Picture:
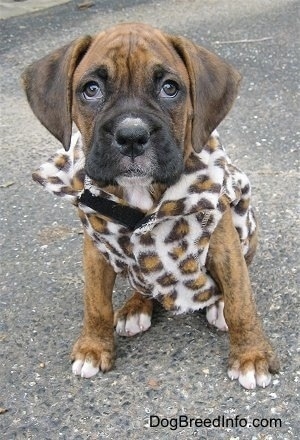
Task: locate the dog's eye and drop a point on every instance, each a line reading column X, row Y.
column 169, row 89
column 92, row 91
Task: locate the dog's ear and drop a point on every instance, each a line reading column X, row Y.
column 48, row 86
column 214, row 86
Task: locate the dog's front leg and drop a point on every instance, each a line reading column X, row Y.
column 252, row 358
column 94, row 349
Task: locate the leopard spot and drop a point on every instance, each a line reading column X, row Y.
column 146, row 239
column 55, row 180
column 78, row 180
column 171, row 208
column 167, row 280
column 197, row 283
column 111, row 248
column 242, row 207
column 38, row 178
column 62, row 161
column 65, row 190
column 189, row 265
column 168, row 301
column 178, row 251
column 83, row 218
column 246, row 189
column 212, row 144
column 205, row 184
column 220, row 162
column 121, row 264
column 180, row 230
column 193, row 164
column 150, row 262
column 126, row 245
column 203, row 296
column 106, row 256
column 205, row 204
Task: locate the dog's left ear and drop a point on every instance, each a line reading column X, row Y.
column 214, row 86
column 48, row 86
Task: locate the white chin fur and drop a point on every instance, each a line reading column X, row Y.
column 137, row 191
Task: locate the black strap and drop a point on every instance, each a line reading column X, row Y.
column 132, row 218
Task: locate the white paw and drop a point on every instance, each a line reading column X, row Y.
column 133, row 325
column 249, row 380
column 215, row 316
column 84, row 368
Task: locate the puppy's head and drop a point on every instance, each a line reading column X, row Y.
column 141, row 99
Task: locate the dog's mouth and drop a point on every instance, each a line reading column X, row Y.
column 118, row 168
column 126, row 176
column 142, row 171
column 138, row 167
column 130, row 180
column 134, row 149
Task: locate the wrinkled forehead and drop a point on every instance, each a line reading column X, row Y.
column 132, row 50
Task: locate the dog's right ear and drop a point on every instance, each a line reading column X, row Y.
column 48, row 86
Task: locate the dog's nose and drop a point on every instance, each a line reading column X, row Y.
column 132, row 136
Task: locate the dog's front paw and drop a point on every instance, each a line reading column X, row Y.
column 253, row 367
column 90, row 355
column 135, row 316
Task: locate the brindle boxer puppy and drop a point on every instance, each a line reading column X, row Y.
column 146, row 104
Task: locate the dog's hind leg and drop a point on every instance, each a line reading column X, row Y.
column 135, row 316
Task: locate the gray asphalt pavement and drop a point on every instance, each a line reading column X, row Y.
column 179, row 366
column 13, row 8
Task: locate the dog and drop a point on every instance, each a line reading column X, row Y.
column 136, row 111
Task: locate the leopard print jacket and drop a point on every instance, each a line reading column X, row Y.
column 165, row 257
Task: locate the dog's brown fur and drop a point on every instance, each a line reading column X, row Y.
column 212, row 86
